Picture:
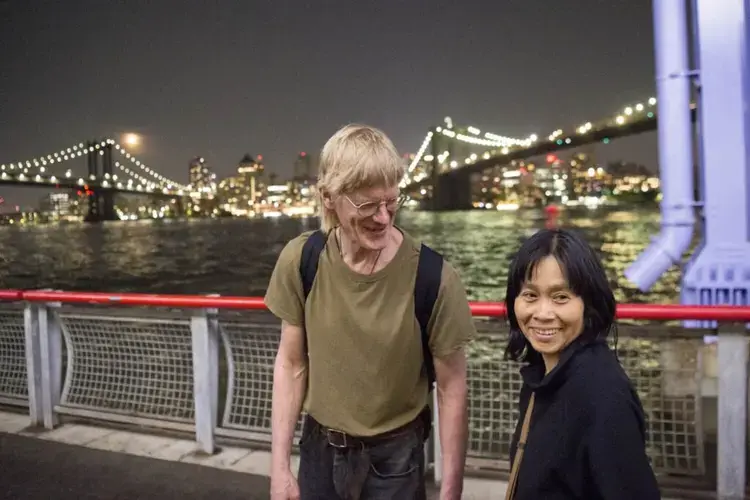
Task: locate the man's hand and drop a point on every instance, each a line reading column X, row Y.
column 453, row 423
column 284, row 486
column 289, row 385
column 449, row 494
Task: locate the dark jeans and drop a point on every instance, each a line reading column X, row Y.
column 387, row 469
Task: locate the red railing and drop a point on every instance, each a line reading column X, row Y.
column 659, row 312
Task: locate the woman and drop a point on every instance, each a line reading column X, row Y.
column 581, row 432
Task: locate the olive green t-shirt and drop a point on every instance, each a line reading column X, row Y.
column 364, row 342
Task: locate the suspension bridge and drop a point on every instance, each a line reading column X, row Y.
column 439, row 173
column 104, row 159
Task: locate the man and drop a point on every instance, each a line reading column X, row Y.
column 352, row 335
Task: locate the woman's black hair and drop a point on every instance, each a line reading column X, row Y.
column 585, row 276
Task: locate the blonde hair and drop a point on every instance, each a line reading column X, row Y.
column 355, row 157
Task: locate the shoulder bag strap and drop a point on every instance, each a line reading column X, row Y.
column 511, row 491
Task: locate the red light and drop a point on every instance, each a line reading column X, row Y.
column 551, row 158
column 260, row 157
column 303, row 154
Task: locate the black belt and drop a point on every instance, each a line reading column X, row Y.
column 340, row 439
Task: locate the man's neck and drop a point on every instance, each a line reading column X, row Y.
column 358, row 258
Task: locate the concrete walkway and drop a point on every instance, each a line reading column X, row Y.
column 37, row 469
column 86, row 462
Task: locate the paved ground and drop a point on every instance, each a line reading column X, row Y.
column 80, row 461
column 33, row 469
column 84, row 462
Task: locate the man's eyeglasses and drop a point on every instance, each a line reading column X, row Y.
column 370, row 208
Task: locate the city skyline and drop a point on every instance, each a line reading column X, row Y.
column 287, row 80
column 565, row 181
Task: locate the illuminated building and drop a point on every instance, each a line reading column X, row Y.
column 239, row 193
column 202, row 180
column 56, row 206
column 304, row 169
column 503, row 187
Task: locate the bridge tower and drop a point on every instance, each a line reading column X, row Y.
column 92, row 160
column 101, row 200
column 452, row 190
column 107, row 196
column 435, row 150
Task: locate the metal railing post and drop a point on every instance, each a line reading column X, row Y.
column 204, row 326
column 43, row 362
column 50, row 343
column 732, row 412
column 33, row 363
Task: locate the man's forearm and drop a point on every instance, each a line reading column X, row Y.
column 289, row 384
column 453, row 428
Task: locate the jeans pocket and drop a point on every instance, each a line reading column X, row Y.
column 396, row 460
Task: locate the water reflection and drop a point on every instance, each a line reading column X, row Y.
column 481, row 244
column 236, row 257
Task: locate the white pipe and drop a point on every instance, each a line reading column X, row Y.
column 675, row 145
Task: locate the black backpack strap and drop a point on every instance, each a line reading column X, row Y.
column 308, row 265
column 426, row 289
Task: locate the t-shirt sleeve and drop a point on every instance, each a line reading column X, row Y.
column 285, row 296
column 451, row 324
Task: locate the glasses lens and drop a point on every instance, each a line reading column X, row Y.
column 368, row 209
column 393, row 205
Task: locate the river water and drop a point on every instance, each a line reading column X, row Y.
column 236, row 256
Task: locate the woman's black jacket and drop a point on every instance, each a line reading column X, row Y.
column 587, row 431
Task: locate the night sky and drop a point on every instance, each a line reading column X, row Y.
column 275, row 77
